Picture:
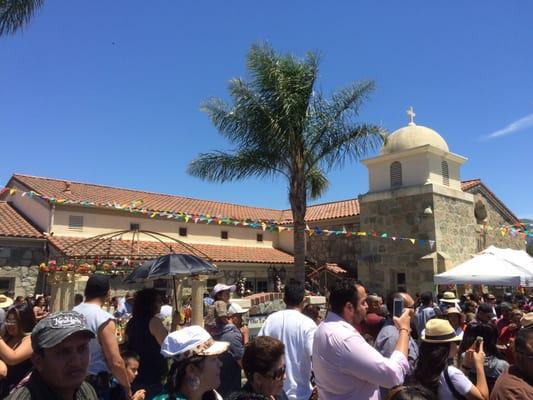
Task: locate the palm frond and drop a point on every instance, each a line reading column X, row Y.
column 14, row 14
column 317, row 183
column 348, row 142
column 221, row 166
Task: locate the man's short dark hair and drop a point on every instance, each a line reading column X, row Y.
column 504, row 306
column 522, row 337
column 97, row 286
column 344, row 291
column 426, row 298
column 260, row 355
column 130, row 355
column 294, row 293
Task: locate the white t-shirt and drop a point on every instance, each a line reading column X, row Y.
column 459, row 380
column 296, row 331
column 95, row 317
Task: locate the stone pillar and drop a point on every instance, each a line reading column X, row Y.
column 198, row 290
column 62, row 285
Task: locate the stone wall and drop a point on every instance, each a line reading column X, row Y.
column 490, row 234
column 455, row 229
column 18, row 264
column 383, row 261
column 341, row 250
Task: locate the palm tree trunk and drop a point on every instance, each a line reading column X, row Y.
column 298, row 200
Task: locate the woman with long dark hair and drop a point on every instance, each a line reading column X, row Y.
column 195, row 371
column 433, row 369
column 145, row 333
column 15, row 345
column 39, row 308
column 494, row 363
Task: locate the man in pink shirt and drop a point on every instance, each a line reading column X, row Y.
column 345, row 365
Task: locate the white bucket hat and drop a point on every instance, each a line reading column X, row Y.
column 220, row 287
column 189, row 342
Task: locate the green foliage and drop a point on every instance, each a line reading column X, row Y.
column 14, row 14
column 279, row 124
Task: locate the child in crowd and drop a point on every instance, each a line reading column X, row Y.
column 132, row 361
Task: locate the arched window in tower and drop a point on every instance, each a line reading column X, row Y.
column 445, row 174
column 395, row 174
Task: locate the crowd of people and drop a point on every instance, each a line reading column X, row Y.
column 362, row 347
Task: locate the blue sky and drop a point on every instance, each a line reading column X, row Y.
column 109, row 92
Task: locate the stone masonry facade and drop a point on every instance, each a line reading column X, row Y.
column 19, row 267
column 385, row 265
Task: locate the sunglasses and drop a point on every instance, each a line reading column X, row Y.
column 278, row 374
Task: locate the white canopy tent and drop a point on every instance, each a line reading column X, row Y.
column 493, row 266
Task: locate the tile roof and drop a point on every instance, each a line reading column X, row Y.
column 466, row 185
column 151, row 201
column 75, row 247
column 57, row 188
column 76, row 191
column 334, row 209
column 12, row 224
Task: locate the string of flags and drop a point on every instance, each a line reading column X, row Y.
column 135, row 206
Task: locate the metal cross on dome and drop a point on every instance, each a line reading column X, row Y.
column 411, row 114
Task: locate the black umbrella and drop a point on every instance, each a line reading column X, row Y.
column 140, row 273
column 180, row 265
column 171, row 266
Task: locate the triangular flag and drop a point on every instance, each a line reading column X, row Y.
column 431, row 244
column 412, row 241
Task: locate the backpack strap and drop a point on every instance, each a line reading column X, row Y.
column 452, row 388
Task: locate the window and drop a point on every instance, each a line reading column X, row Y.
column 395, row 174
column 224, row 234
column 261, row 286
column 134, row 227
column 182, row 231
column 400, row 278
column 75, row 222
column 259, row 237
column 445, row 174
column 7, row 284
column 400, row 281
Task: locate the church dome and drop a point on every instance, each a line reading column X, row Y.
column 412, row 136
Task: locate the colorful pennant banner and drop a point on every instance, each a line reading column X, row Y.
column 266, row 225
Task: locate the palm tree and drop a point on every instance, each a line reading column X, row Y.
column 14, row 14
column 280, row 125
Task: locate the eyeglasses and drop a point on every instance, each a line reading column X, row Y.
column 278, row 374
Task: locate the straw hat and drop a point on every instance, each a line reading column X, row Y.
column 452, row 310
column 527, row 320
column 5, row 301
column 449, row 297
column 439, row 331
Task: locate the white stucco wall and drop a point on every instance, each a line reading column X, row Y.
column 415, row 171
column 97, row 221
column 33, row 208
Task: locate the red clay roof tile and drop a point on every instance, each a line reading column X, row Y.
column 113, row 249
column 12, row 224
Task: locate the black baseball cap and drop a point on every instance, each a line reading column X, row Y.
column 53, row 329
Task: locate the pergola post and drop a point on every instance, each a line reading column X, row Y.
column 198, row 285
